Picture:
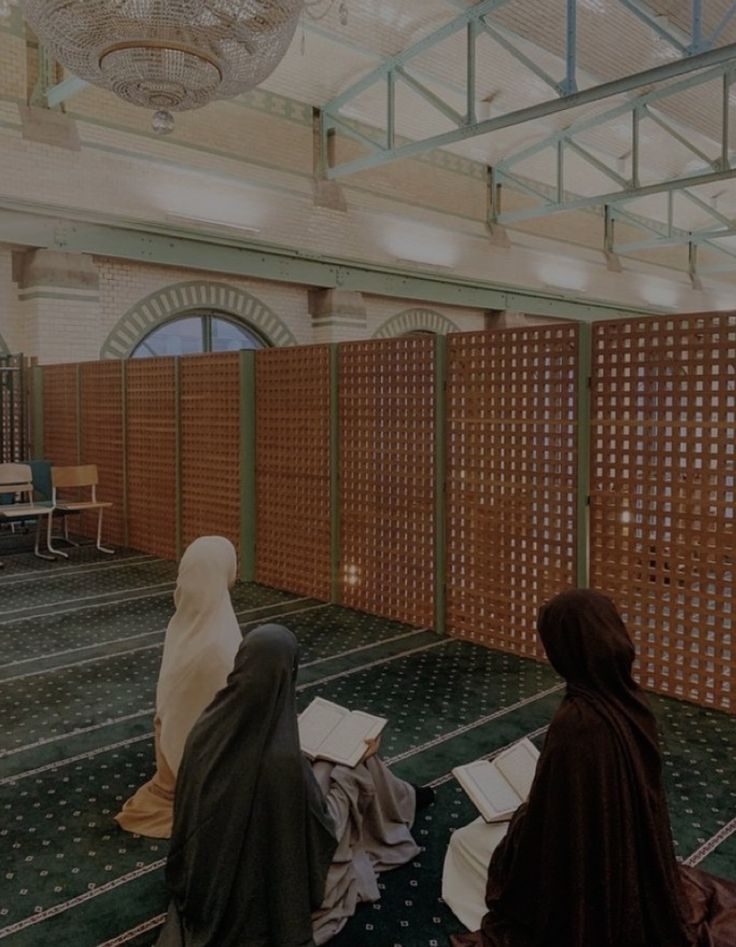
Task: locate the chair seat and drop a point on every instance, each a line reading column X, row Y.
column 24, row 510
column 70, row 506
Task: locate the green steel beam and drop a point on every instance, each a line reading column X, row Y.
column 653, row 21
column 727, row 18
column 248, row 465
column 215, row 253
column 582, row 557
column 714, row 57
column 616, row 111
column 378, row 74
column 440, row 466
column 695, row 237
column 335, row 530
column 614, row 197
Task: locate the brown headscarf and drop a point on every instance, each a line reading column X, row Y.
column 588, row 861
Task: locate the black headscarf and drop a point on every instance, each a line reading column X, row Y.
column 252, row 840
column 589, row 860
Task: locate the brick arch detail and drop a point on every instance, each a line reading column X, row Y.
column 178, row 299
column 411, row 320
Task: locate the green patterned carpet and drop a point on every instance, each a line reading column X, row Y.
column 81, row 650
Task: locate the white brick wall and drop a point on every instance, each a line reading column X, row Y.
column 13, row 327
column 239, row 162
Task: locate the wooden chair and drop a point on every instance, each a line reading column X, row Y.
column 78, row 478
column 16, row 481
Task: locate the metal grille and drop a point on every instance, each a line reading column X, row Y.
column 101, row 442
column 387, row 421
column 511, row 480
column 60, row 421
column 13, row 410
column 293, row 469
column 152, row 459
column 210, row 446
column 662, row 496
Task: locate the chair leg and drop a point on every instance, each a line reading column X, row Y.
column 66, row 533
column 36, row 549
column 49, row 541
column 102, row 548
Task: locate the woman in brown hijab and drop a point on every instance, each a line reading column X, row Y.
column 588, row 860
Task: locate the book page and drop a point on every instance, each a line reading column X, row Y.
column 492, row 795
column 518, row 765
column 317, row 722
column 346, row 742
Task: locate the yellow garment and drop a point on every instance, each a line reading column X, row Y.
column 150, row 810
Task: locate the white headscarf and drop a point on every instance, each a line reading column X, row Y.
column 201, row 641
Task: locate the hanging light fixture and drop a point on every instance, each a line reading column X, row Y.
column 167, row 56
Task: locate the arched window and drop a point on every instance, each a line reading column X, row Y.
column 198, row 331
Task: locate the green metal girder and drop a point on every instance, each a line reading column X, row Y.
column 598, row 93
column 213, row 253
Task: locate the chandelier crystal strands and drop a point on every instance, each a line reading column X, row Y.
column 167, row 55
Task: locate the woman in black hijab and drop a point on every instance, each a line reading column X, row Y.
column 261, row 854
column 588, row 860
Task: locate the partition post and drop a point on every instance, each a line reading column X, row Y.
column 78, row 409
column 247, row 465
column 440, row 463
column 334, row 473
column 582, row 515
column 178, row 456
column 37, row 412
column 124, row 433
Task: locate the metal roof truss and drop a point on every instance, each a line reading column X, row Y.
column 699, row 61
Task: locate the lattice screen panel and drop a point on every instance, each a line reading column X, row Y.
column 14, row 446
column 387, row 421
column 101, row 442
column 662, row 496
column 151, row 424
column 210, row 446
column 511, row 480
column 60, row 435
column 293, row 469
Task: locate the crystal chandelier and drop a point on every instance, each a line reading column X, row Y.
column 167, row 55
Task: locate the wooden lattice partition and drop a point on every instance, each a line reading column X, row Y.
column 511, row 480
column 387, row 486
column 210, row 446
column 152, row 456
column 60, row 421
column 13, row 409
column 101, row 442
column 662, row 496
column 293, row 469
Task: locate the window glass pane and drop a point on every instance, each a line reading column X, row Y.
column 229, row 337
column 179, row 337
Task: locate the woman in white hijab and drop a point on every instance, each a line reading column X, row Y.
column 199, row 649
